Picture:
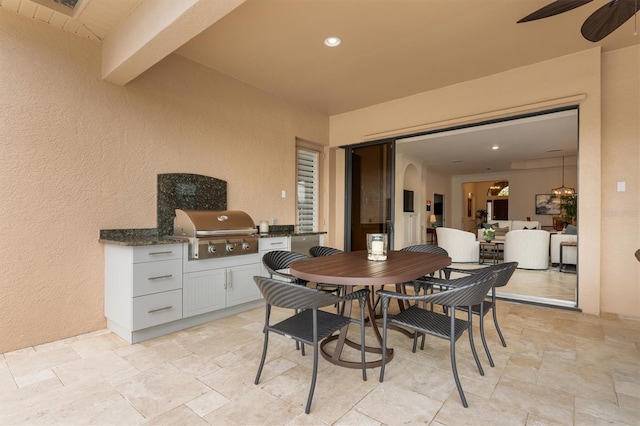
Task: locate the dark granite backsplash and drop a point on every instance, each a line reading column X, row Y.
column 128, row 234
column 281, row 229
column 187, row 191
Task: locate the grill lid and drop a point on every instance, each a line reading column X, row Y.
column 207, row 223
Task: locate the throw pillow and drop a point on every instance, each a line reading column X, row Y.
column 571, row 230
column 500, row 232
column 535, row 227
column 486, row 225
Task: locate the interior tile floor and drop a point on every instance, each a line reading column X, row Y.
column 559, row 367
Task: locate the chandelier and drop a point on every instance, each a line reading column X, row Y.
column 563, row 190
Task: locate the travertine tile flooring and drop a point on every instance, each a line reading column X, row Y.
column 560, row 367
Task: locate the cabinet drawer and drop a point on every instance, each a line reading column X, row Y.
column 157, row 252
column 275, row 243
column 155, row 277
column 155, row 309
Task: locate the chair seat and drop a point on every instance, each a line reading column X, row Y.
column 429, row 322
column 300, row 326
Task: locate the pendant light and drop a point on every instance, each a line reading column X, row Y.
column 563, row 191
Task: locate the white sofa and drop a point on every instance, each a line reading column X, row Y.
column 530, row 248
column 513, row 225
column 569, row 254
column 462, row 246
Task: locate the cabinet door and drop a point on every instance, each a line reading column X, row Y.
column 240, row 285
column 203, row 292
column 270, row 244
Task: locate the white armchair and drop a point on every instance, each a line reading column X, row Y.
column 569, row 254
column 462, row 246
column 530, row 248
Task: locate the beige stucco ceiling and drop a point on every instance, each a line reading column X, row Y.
column 390, row 49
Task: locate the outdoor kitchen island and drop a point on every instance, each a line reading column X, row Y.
column 152, row 288
column 196, row 266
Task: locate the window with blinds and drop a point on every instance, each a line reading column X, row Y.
column 308, row 183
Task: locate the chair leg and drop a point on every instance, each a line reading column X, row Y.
column 495, row 321
column 473, row 346
column 452, row 350
column 362, row 340
column 264, row 356
column 385, row 308
column 315, row 361
column 484, row 340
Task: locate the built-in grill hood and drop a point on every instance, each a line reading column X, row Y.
column 209, row 223
column 216, row 233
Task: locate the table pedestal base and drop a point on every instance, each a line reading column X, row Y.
column 332, row 358
column 336, row 356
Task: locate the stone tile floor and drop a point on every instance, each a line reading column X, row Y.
column 560, row 367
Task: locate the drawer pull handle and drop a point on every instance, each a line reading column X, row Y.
column 156, row 253
column 160, row 277
column 153, row 311
column 276, row 244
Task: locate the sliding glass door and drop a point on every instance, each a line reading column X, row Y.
column 369, row 194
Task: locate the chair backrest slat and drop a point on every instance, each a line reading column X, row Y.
column 471, row 292
column 426, row 248
column 319, row 251
column 277, row 260
column 294, row 296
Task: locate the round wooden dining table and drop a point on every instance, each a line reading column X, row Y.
column 352, row 269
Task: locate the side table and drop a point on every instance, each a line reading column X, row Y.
column 492, row 249
column 432, row 236
column 562, row 267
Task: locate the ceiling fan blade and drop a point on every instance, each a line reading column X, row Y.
column 558, row 6
column 606, row 19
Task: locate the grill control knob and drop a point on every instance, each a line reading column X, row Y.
column 211, row 248
column 245, row 245
column 229, row 247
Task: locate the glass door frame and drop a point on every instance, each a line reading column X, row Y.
column 349, row 189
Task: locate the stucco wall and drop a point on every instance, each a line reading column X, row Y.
column 78, row 154
column 621, row 163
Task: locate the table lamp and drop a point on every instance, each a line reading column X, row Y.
column 432, row 219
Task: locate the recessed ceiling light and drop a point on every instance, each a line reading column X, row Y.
column 332, row 41
column 495, row 147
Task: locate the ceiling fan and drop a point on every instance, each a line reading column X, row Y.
column 600, row 24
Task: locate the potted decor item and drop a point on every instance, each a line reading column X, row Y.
column 482, row 215
column 488, row 234
column 569, row 208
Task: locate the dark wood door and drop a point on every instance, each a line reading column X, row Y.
column 369, row 193
column 501, row 209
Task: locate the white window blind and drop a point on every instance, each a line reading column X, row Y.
column 308, row 165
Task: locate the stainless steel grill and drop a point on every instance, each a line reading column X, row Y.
column 214, row 234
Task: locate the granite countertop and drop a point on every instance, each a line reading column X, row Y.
column 289, row 234
column 135, row 237
column 147, row 237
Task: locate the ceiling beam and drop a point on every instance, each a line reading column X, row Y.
column 153, row 31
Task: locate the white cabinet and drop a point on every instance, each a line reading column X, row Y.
column 221, row 285
column 410, row 234
column 268, row 244
column 143, row 287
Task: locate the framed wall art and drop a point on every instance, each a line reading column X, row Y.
column 547, row 204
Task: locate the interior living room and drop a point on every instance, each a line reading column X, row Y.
column 100, row 97
column 502, row 168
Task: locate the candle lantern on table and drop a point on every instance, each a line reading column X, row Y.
column 377, row 247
